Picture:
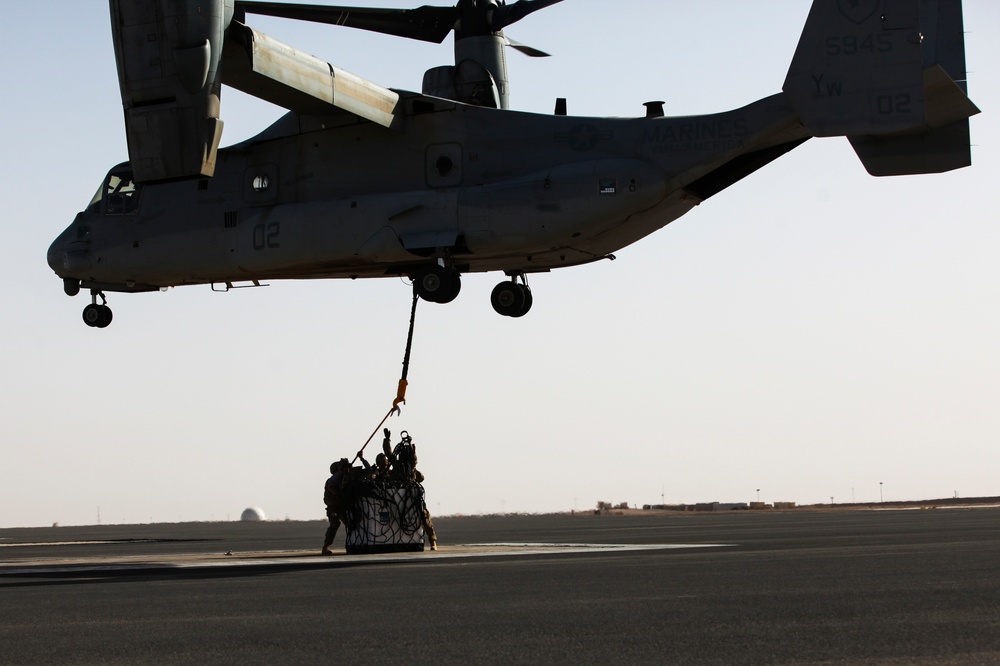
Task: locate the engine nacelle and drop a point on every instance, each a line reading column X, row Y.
column 168, row 54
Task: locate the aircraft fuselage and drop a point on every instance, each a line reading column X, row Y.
column 480, row 189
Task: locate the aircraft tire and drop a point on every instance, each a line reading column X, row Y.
column 106, row 317
column 454, row 285
column 508, row 299
column 429, row 283
column 92, row 315
column 527, row 301
column 438, row 284
column 97, row 316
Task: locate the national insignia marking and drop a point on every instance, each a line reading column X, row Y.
column 858, row 11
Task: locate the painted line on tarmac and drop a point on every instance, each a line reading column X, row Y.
column 86, row 542
column 300, row 559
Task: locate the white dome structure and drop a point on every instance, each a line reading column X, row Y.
column 252, row 514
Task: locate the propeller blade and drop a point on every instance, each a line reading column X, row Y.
column 526, row 50
column 505, row 15
column 428, row 24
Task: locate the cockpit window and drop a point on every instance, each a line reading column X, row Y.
column 119, row 194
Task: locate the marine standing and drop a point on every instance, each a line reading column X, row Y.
column 429, row 528
column 334, row 501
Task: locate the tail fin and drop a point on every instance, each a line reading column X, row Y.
column 890, row 75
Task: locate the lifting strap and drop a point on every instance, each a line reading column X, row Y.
column 401, row 387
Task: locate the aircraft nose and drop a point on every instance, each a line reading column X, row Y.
column 55, row 255
column 69, row 253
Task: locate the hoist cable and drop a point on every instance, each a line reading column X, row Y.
column 401, row 387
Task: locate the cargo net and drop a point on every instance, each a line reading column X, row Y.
column 385, row 509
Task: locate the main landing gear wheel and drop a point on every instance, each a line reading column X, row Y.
column 438, row 284
column 97, row 316
column 511, row 299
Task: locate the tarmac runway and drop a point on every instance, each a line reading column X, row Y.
column 769, row 587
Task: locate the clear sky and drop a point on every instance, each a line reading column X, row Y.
column 812, row 332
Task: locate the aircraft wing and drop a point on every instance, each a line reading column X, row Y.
column 281, row 74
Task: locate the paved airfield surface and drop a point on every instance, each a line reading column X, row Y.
column 795, row 587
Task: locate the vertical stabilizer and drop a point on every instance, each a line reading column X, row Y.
column 858, row 68
column 890, row 75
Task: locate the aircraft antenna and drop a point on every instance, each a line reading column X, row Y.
column 401, row 386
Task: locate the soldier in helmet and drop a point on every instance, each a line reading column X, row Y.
column 382, row 468
column 379, row 472
column 334, row 501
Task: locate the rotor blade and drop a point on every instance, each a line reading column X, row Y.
column 505, row 15
column 526, row 50
column 428, row 24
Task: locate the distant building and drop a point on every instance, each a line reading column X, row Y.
column 252, row 514
column 701, row 506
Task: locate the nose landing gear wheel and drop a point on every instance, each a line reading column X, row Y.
column 97, row 316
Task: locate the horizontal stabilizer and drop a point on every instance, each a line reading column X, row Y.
column 942, row 144
column 934, row 151
column 273, row 71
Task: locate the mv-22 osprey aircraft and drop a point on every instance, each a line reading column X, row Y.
column 358, row 180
